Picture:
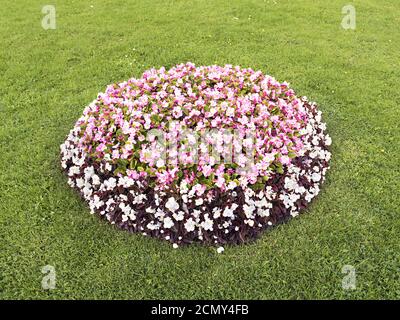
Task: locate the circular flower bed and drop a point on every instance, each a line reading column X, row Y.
column 208, row 154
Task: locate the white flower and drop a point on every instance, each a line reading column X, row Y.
column 318, row 116
column 95, row 180
column 132, row 215
column 159, row 214
column 78, row 161
column 179, row 216
column 263, row 212
column 110, row 184
column 199, row 202
column 150, row 210
column 172, row 205
column 80, row 183
column 249, row 192
column 316, row 176
column 191, row 139
column 126, row 182
column 290, row 183
column 196, row 214
column 300, row 190
column 139, row 198
column 216, row 212
column 160, row 163
column 126, row 209
column 207, row 224
column 248, row 210
column 87, row 191
column 73, row 170
column 327, row 156
column 249, row 222
column 190, row 225
column 230, row 112
column 108, row 167
column 231, row 185
column 294, row 197
column 168, row 223
column 191, row 193
column 97, row 202
column 309, row 197
column 89, row 172
column 322, row 126
column 303, row 131
column 153, row 226
column 175, row 246
column 315, row 141
column 183, row 187
column 228, row 212
column 328, row 140
column 262, row 203
column 313, row 154
column 220, row 249
column 109, row 203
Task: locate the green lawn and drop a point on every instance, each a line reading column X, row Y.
column 48, row 76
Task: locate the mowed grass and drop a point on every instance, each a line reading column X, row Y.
column 48, row 76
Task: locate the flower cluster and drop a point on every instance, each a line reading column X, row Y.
column 186, row 119
column 210, row 154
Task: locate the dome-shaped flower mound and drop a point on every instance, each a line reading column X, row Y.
column 210, row 154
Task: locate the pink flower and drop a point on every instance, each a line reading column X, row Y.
column 177, row 112
column 115, row 154
column 220, row 183
column 132, row 174
column 207, row 170
column 101, row 147
column 284, row 160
